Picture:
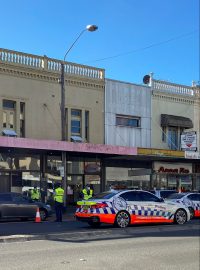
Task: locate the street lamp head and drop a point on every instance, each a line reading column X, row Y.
column 92, row 27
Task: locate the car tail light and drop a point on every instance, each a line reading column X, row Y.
column 99, row 205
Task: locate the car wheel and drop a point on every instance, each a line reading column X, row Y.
column 94, row 224
column 122, row 219
column 191, row 212
column 43, row 214
column 180, row 216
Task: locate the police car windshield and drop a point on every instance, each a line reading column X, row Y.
column 176, row 196
column 104, row 195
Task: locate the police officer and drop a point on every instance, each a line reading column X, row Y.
column 87, row 192
column 35, row 194
column 58, row 199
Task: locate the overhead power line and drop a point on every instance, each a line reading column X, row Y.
column 145, row 48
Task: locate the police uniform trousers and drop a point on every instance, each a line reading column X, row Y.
column 58, row 209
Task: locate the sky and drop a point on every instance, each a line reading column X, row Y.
column 134, row 37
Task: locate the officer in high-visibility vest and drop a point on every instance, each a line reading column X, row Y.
column 87, row 192
column 35, row 194
column 58, row 199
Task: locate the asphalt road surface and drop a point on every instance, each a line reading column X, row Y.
column 142, row 247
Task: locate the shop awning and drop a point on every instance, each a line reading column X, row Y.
column 175, row 121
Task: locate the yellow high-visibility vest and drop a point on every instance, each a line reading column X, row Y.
column 35, row 194
column 59, row 196
column 87, row 195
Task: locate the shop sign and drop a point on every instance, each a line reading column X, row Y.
column 189, row 141
column 192, row 155
column 92, row 168
column 160, row 152
column 139, row 172
column 172, row 168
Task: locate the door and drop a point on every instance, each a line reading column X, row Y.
column 5, row 182
column 139, row 208
column 7, row 206
column 74, row 187
column 23, row 207
column 158, row 209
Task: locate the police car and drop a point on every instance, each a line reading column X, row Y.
column 190, row 199
column 126, row 207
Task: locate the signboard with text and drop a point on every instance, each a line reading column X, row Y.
column 189, row 141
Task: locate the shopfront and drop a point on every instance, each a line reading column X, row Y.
column 177, row 176
column 21, row 173
column 26, row 163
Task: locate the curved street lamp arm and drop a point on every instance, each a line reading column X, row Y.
column 74, row 43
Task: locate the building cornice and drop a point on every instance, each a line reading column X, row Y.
column 47, row 69
column 173, row 97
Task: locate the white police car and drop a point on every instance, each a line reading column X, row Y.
column 190, row 199
column 130, row 207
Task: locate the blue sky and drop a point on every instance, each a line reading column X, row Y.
column 135, row 37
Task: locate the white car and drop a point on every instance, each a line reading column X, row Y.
column 191, row 200
column 130, row 207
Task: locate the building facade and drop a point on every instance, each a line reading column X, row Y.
column 30, row 98
column 30, row 107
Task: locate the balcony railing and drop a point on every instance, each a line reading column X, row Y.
column 163, row 86
column 49, row 64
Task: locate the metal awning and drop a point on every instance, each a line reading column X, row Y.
column 8, row 132
column 175, row 121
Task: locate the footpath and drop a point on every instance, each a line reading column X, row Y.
column 16, row 230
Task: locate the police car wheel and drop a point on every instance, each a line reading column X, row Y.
column 191, row 212
column 122, row 219
column 94, row 224
column 180, row 217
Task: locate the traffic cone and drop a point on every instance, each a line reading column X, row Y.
column 37, row 217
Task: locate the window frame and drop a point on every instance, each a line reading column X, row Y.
column 129, row 118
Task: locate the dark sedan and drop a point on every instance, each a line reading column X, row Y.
column 15, row 205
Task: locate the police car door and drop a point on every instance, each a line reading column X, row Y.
column 156, row 208
column 139, row 210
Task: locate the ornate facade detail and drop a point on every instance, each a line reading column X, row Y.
column 36, row 67
column 173, row 98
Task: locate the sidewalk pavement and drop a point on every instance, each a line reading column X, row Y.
column 17, row 230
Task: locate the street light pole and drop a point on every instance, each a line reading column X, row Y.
column 90, row 28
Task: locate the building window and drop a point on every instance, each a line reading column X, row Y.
column 173, row 138
column 164, row 134
column 75, row 122
column 9, row 114
column 8, row 104
column 128, row 121
column 4, row 119
column 87, row 126
column 22, row 119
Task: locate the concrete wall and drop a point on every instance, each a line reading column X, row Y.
column 127, row 99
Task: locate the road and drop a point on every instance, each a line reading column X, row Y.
column 159, row 247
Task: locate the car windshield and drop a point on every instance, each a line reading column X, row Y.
column 176, row 196
column 104, row 195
